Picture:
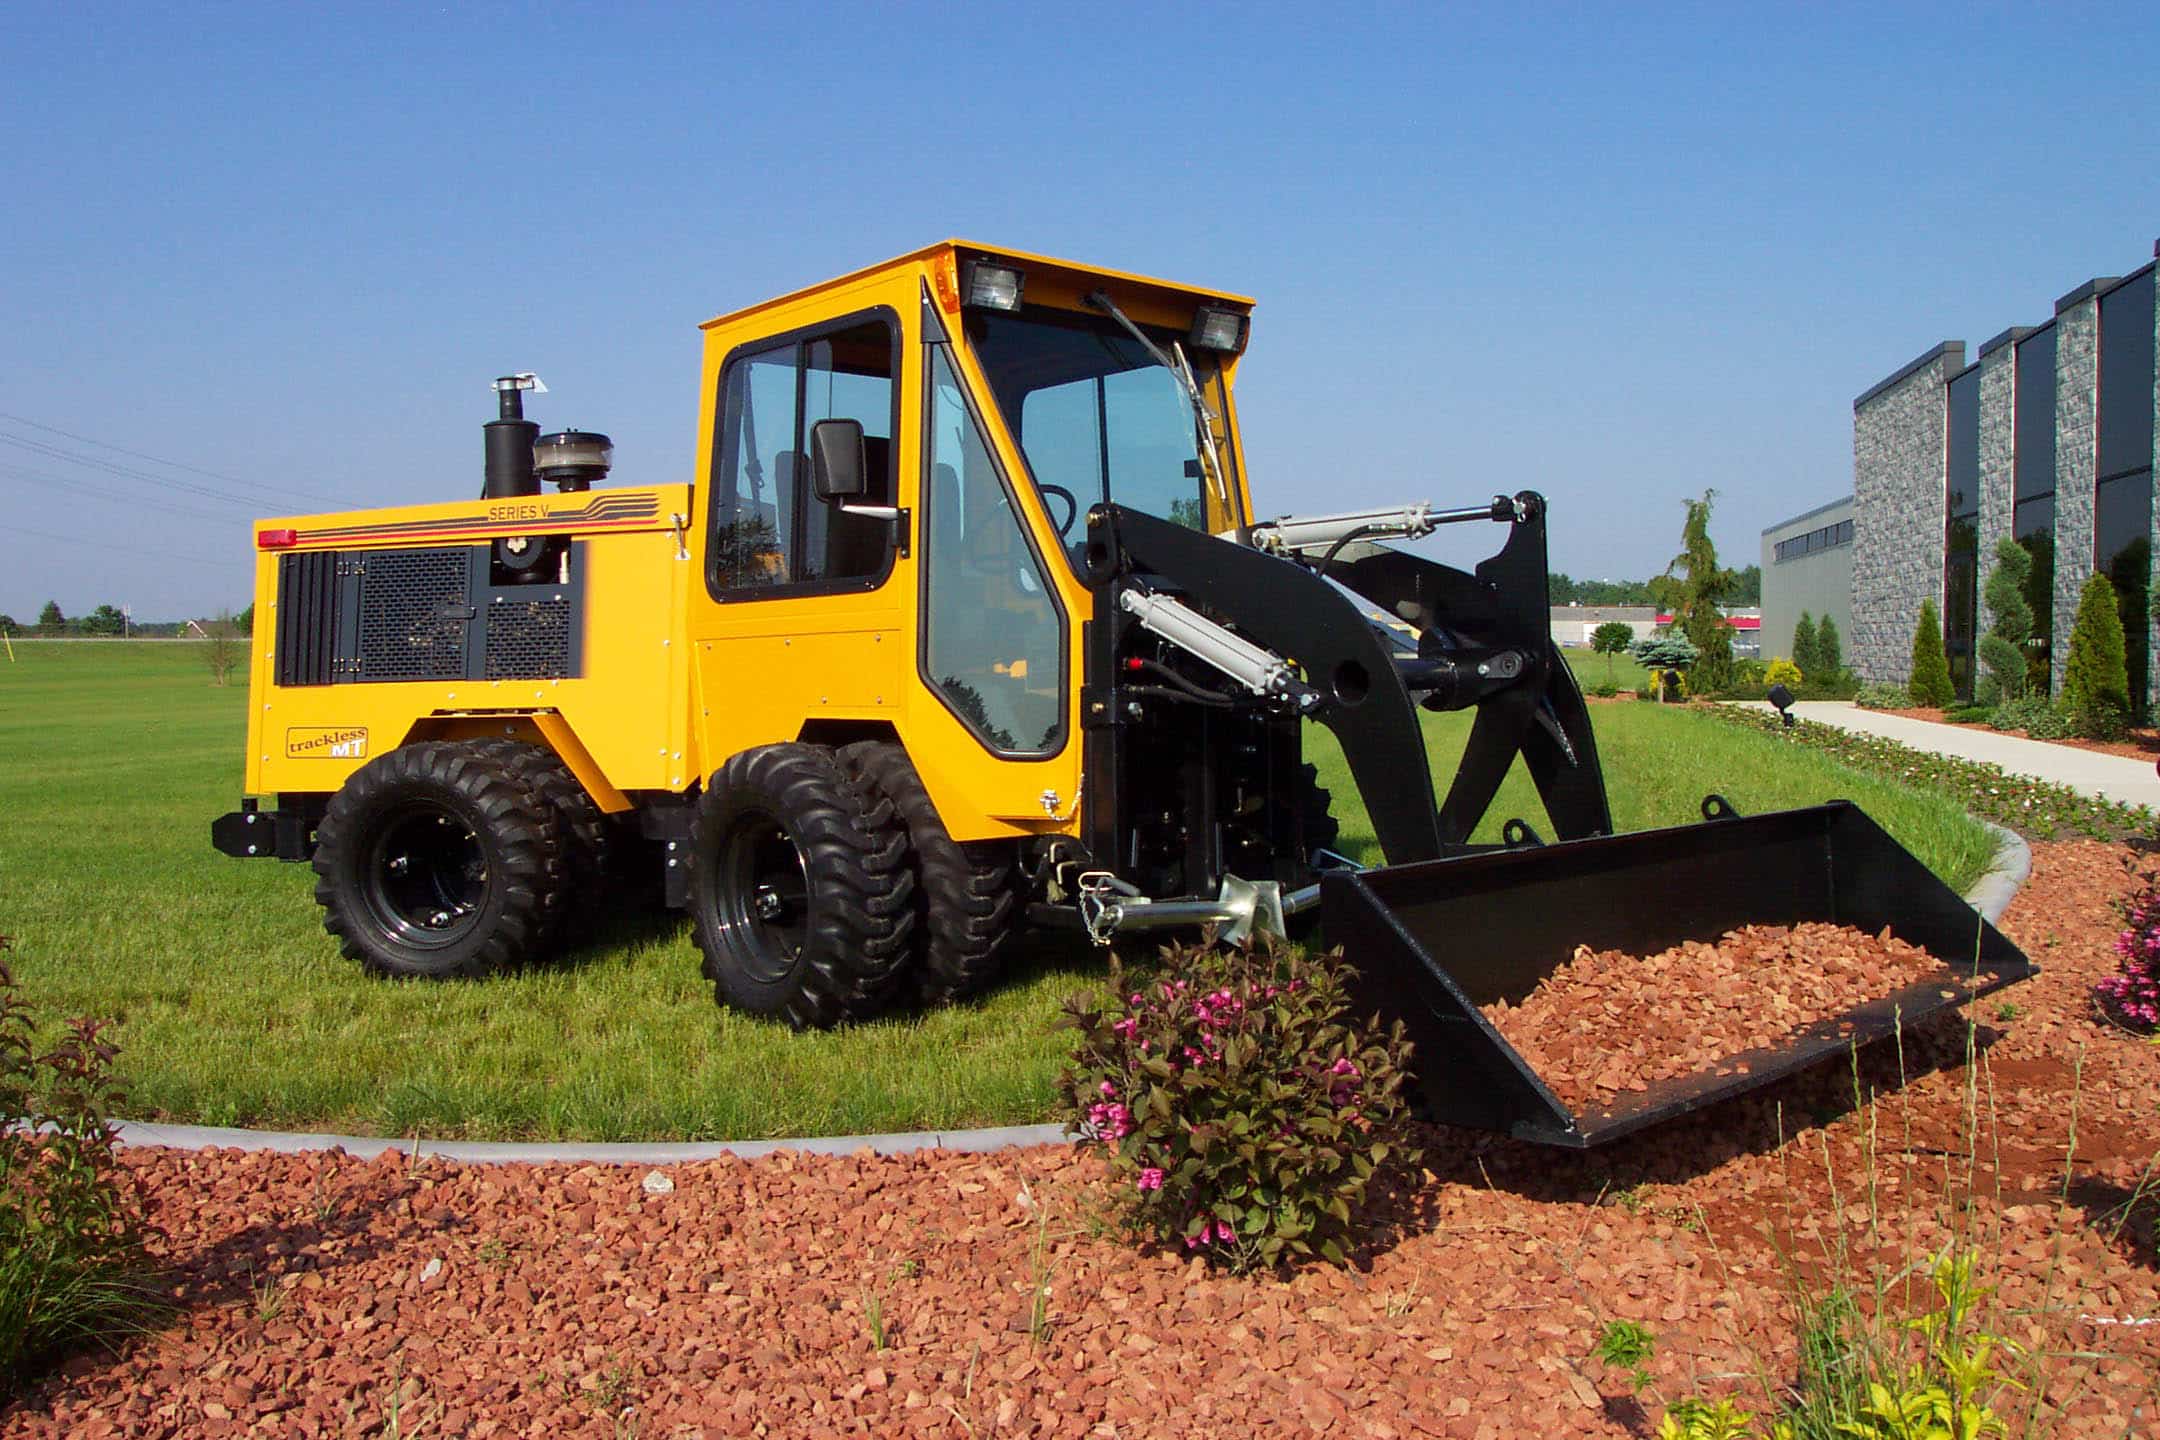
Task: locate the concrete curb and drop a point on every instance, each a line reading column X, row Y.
column 1990, row 895
column 537, row 1152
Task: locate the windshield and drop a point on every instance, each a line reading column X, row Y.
column 1096, row 417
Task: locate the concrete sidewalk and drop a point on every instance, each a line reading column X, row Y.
column 2107, row 777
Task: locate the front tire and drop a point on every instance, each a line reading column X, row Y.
column 800, row 895
column 435, row 861
column 967, row 897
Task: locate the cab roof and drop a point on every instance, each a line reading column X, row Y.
column 1166, row 289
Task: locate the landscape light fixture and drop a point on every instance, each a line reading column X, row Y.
column 1217, row 327
column 986, row 285
column 1782, row 698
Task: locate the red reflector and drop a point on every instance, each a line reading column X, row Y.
column 1134, row 662
column 276, row 539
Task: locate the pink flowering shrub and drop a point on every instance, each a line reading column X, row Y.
column 1243, row 1110
column 2132, row 996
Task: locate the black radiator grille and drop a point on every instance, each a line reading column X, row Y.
column 414, row 609
column 529, row 639
column 307, row 617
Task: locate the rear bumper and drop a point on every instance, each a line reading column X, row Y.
column 286, row 833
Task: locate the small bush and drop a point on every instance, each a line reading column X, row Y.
column 2034, row 714
column 1805, row 651
column 1829, row 654
column 1931, row 683
column 1970, row 714
column 1605, row 690
column 1782, row 672
column 1242, row 1109
column 2096, row 682
column 2002, row 649
column 1883, row 697
column 72, row 1269
column 1752, row 672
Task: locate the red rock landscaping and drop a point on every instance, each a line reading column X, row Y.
column 323, row 1296
column 1606, row 1021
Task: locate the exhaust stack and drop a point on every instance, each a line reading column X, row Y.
column 510, row 439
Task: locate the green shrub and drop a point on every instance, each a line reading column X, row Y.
column 1970, row 714
column 2002, row 649
column 1243, row 1111
column 1753, row 672
column 1604, row 690
column 1877, row 696
column 1930, row 683
column 2096, row 681
column 1805, row 653
column 1829, row 654
column 72, row 1268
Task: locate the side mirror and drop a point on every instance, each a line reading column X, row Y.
column 836, row 460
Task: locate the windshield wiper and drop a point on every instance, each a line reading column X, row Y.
column 1181, row 371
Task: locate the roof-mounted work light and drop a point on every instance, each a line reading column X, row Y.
column 987, row 285
column 1218, row 328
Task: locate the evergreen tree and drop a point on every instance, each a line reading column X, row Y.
column 1930, row 684
column 50, row 621
column 2002, row 649
column 1695, row 586
column 7, row 623
column 2096, row 685
column 1829, row 652
column 1804, row 653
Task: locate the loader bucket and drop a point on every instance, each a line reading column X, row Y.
column 1433, row 941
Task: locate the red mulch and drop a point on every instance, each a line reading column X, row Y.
column 568, row 1300
column 1606, row 1021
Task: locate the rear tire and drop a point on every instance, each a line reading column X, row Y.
column 586, row 834
column 967, row 896
column 434, row 861
column 800, row 895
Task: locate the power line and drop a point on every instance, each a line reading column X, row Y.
column 175, row 464
column 38, row 477
column 109, row 545
column 128, row 472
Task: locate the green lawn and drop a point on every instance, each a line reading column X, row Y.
column 236, row 1009
column 1591, row 669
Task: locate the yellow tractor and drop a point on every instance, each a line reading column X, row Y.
column 965, row 622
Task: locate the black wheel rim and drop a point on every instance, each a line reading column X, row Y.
column 427, row 878
column 764, row 898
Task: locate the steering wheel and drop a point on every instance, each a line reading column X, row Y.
column 1072, row 505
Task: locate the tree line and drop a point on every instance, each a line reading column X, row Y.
column 109, row 620
column 1564, row 589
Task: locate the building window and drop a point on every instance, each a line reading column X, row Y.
column 1961, row 535
column 1823, row 537
column 2032, row 520
column 2122, row 518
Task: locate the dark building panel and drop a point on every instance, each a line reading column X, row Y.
column 2036, row 415
column 2126, row 377
column 1961, row 534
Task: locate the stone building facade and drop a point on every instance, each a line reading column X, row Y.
column 2048, row 438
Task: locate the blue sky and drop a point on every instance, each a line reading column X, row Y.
column 1616, row 255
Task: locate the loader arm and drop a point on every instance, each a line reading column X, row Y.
column 1285, row 607
column 1486, row 644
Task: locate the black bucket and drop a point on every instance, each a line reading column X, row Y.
column 1433, row 941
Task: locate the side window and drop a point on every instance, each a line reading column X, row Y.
column 768, row 526
column 753, row 515
column 992, row 642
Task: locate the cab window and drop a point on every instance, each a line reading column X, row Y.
column 992, row 637
column 769, row 531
